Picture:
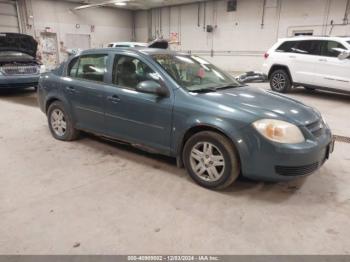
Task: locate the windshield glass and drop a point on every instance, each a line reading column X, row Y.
column 194, row 73
column 14, row 54
column 349, row 42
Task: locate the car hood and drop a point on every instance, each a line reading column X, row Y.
column 263, row 104
column 18, row 42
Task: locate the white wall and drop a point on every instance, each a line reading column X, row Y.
column 110, row 24
column 239, row 41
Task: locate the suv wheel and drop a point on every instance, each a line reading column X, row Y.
column 211, row 160
column 280, row 81
column 60, row 123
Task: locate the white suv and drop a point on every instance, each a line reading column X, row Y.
column 312, row 62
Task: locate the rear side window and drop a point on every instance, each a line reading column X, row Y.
column 92, row 67
column 328, row 48
column 286, row 46
column 308, row 47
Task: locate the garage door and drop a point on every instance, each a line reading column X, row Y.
column 8, row 16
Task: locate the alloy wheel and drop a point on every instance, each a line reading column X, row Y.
column 207, row 161
column 279, row 81
column 58, row 122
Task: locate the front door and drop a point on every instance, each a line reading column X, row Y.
column 335, row 72
column 133, row 116
column 84, row 86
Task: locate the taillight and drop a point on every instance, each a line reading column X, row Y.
column 266, row 55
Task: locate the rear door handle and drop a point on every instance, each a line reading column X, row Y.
column 113, row 98
column 71, row 89
column 292, row 56
column 322, row 60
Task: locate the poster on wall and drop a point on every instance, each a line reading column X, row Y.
column 48, row 49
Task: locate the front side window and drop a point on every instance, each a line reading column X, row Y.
column 329, row 48
column 129, row 72
column 194, row 73
column 92, row 67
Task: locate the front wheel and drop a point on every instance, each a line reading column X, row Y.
column 210, row 160
column 280, row 81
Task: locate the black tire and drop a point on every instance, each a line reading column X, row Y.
column 223, row 145
column 70, row 133
column 280, row 81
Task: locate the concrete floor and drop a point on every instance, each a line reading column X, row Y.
column 96, row 197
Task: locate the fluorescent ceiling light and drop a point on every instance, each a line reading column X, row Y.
column 120, row 3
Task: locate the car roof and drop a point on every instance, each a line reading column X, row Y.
column 298, row 38
column 128, row 43
column 143, row 50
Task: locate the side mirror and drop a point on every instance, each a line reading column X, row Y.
column 343, row 54
column 152, row 87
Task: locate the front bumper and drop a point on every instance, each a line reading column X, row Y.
column 269, row 161
column 19, row 81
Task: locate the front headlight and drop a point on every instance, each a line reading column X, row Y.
column 279, row 131
column 42, row 69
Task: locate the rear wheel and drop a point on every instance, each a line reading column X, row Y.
column 60, row 122
column 210, row 160
column 280, row 81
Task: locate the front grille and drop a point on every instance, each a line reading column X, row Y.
column 20, row 70
column 316, row 128
column 296, row 170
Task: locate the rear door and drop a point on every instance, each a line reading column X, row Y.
column 84, row 87
column 306, row 61
column 335, row 72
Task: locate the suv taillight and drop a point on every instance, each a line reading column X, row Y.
column 266, row 55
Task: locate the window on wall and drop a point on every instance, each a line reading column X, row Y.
column 129, row 72
column 303, row 32
column 328, row 48
column 92, row 67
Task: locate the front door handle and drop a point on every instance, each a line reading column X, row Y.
column 71, row 89
column 322, row 60
column 292, row 56
column 113, row 98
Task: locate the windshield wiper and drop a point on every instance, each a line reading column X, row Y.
column 228, row 86
column 204, row 90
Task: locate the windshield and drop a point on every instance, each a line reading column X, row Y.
column 14, row 54
column 194, row 73
column 349, row 42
